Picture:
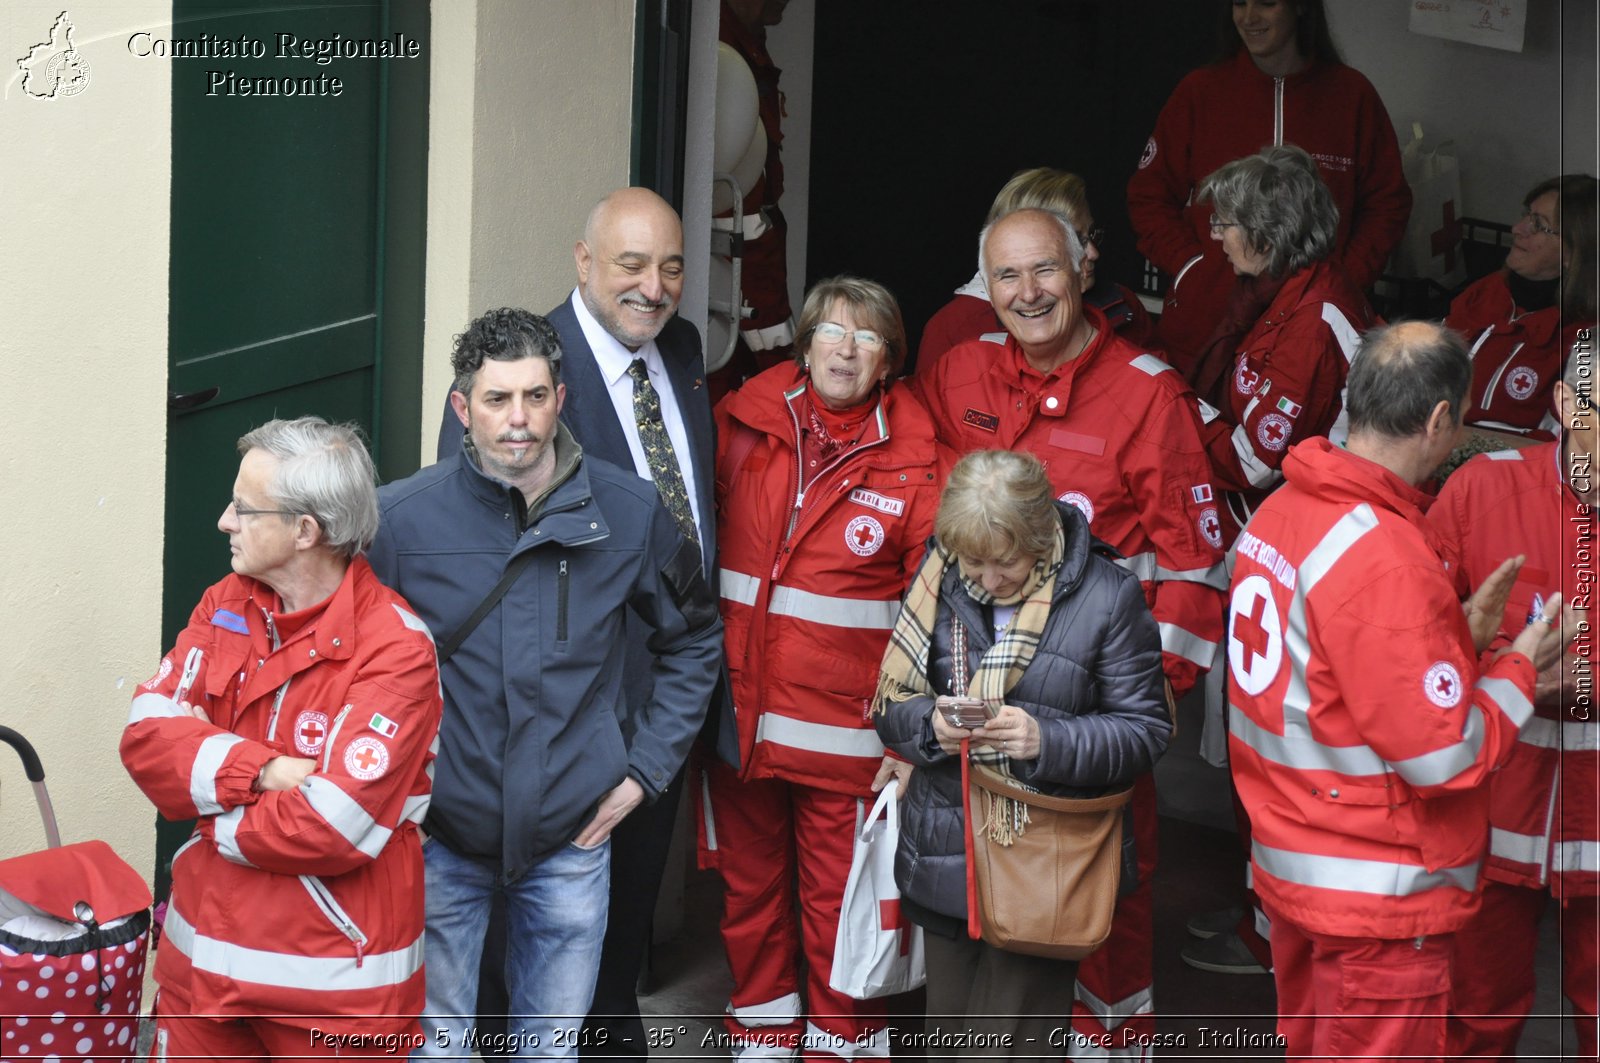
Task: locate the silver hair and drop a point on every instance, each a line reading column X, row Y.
column 1075, row 249
column 1280, row 203
column 325, row 472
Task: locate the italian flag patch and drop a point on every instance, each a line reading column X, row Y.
column 1288, row 406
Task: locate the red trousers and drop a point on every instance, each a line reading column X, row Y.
column 1113, row 1009
column 1494, row 978
column 1360, row 998
column 180, row 1034
column 771, row 837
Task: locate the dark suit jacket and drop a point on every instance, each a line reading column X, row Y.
column 593, row 420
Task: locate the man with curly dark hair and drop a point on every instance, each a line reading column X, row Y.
column 525, row 557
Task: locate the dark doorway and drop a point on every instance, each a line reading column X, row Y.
column 922, row 110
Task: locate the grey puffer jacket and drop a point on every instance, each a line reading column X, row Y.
column 1094, row 684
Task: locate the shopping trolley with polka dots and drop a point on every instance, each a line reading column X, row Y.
column 74, row 926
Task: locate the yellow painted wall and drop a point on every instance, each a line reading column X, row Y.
column 84, row 188
column 529, row 125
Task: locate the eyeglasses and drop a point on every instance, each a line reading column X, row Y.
column 1538, row 224
column 1090, row 236
column 1218, row 223
column 242, row 510
column 866, row 339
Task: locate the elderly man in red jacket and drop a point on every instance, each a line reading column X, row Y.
column 1364, row 725
column 296, row 717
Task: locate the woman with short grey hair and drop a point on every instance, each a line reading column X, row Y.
column 1274, row 368
column 1065, row 660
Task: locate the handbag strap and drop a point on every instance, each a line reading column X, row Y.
column 513, row 570
column 989, row 779
column 974, row 923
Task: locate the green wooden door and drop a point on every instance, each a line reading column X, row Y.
column 296, row 260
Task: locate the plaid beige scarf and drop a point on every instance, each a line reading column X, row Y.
column 904, row 672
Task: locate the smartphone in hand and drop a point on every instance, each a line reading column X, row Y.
column 961, row 712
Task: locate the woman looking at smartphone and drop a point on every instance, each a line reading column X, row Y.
column 1018, row 606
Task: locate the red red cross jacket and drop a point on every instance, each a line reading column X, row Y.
column 1117, row 432
column 1362, row 732
column 811, row 582
column 1544, row 812
column 1229, row 110
column 1288, row 381
column 304, row 903
column 1517, row 356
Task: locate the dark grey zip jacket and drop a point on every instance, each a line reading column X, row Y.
column 532, row 735
column 1094, row 684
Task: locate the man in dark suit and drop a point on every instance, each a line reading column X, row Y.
column 636, row 396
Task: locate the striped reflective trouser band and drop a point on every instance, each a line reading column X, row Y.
column 1181, row 642
column 864, row 613
column 1146, row 570
column 1112, row 1015
column 863, row 1046
column 1349, row 341
column 779, row 1012
column 376, row 970
column 818, row 737
column 1380, row 878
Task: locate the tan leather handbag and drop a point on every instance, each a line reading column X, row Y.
column 1052, row 890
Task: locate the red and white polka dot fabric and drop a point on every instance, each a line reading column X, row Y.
column 65, row 1009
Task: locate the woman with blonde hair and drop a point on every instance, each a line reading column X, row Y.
column 1019, row 606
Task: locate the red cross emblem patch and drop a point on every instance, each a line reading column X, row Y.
column 1521, row 382
column 1080, row 501
column 1442, row 685
column 366, row 758
column 1273, row 431
column 310, row 732
column 864, row 536
column 1210, row 526
column 1255, row 635
column 1246, row 379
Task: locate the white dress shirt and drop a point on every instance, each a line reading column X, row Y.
column 613, row 360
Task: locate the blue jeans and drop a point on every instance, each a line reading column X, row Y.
column 556, row 920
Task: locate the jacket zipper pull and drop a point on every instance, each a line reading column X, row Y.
column 360, row 952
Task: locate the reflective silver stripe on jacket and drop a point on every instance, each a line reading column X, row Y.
column 1349, row 341
column 1258, row 472
column 345, row 815
column 149, row 706
column 818, row 737
column 1145, row 570
column 1376, row 877
column 777, row 1012
column 1110, row 1016
column 807, row 605
column 1576, row 856
column 1150, row 365
column 1181, row 642
column 1523, row 848
column 203, row 772
column 225, row 831
column 1569, row 737
column 287, row 971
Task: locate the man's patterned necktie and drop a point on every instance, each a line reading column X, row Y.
column 658, row 452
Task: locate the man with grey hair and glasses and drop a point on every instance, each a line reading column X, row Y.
column 297, row 719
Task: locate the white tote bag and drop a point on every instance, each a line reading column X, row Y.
column 878, row 952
